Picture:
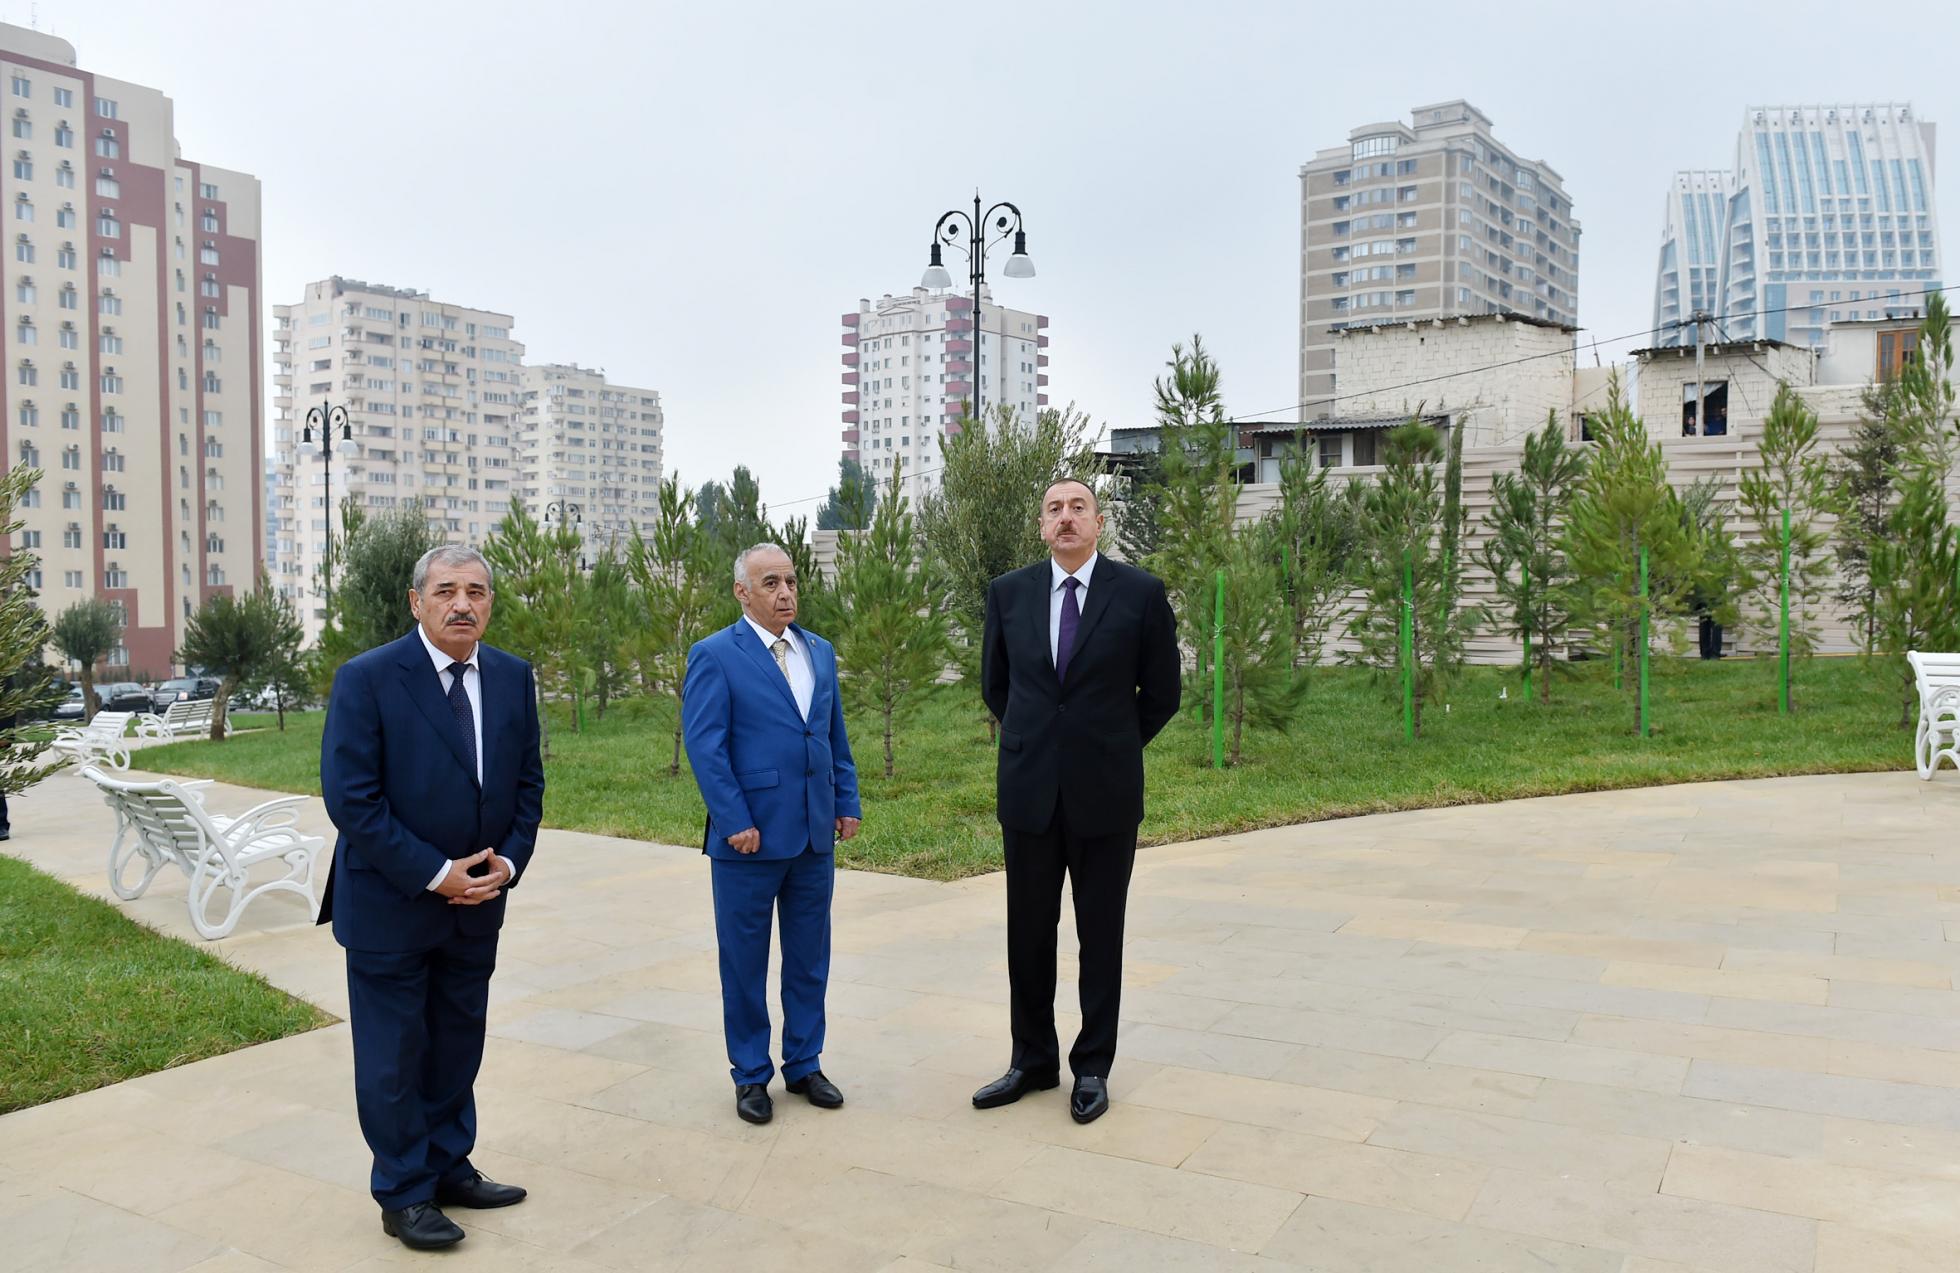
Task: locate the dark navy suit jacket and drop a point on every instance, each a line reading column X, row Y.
column 758, row 762
column 398, row 785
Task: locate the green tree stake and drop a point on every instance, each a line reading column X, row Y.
column 1408, row 648
column 1643, row 642
column 1218, row 677
column 1783, row 634
column 1527, row 635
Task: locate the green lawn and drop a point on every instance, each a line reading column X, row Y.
column 89, row 997
column 1343, row 756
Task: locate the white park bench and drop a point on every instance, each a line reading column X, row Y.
column 1937, row 677
column 186, row 717
column 98, row 742
column 165, row 823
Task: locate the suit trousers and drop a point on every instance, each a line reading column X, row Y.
column 1098, row 870
column 798, row 890
column 418, row 1020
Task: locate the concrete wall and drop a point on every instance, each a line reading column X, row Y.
column 1498, row 375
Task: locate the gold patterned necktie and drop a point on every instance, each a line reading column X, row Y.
column 781, row 650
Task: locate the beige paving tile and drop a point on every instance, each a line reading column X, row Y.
column 1705, row 1042
column 1735, row 1239
column 1521, row 1144
column 1687, row 954
column 1779, row 987
column 1377, row 1176
column 1332, row 1235
column 1178, row 1204
column 1612, row 1067
column 49, row 1227
column 1264, row 1103
column 1900, row 972
column 1443, row 932
column 1394, row 1079
column 1845, row 1248
column 1883, row 1201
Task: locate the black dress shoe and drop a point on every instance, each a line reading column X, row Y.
column 1090, row 1099
column 1012, row 1086
column 822, row 1092
column 480, row 1192
column 753, row 1104
column 421, row 1227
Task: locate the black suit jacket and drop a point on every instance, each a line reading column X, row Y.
column 1079, row 744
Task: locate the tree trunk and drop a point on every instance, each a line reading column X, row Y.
column 220, row 704
column 544, row 720
column 674, row 768
column 1238, row 716
column 88, row 692
column 888, row 738
column 279, row 706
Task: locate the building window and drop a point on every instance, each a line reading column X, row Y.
column 105, row 107
column 1896, row 349
column 20, row 86
column 114, row 537
column 28, row 375
column 1716, row 393
column 24, row 250
column 108, row 227
column 109, row 303
column 64, row 257
column 114, row 500
column 64, row 97
column 112, row 461
column 64, row 217
column 64, row 137
column 23, row 127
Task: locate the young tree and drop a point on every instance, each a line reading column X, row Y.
column 537, row 612
column 1794, row 481
column 1862, row 496
column 816, row 600
column 847, row 507
column 239, row 638
column 681, row 587
column 1718, row 573
column 1197, row 503
column 1529, row 570
column 1912, row 566
column 26, row 690
column 894, row 645
column 287, row 675
column 1258, row 636
column 1317, row 532
column 1137, row 507
column 1624, row 504
column 375, row 556
column 84, row 633
column 1413, row 532
column 984, row 520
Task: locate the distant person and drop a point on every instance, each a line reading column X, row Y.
column 765, row 737
column 1079, row 663
column 430, row 769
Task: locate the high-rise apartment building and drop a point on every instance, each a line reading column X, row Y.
column 913, row 363
column 1691, row 250
column 590, row 450
column 1830, row 216
column 1430, row 219
column 431, row 391
column 130, row 315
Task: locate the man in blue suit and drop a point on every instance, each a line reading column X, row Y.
column 765, row 737
column 429, row 767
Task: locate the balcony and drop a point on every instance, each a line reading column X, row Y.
column 959, row 346
column 1040, row 321
column 850, row 377
column 959, row 325
column 850, row 320
column 851, row 359
column 850, row 417
column 1040, row 379
column 959, row 389
column 1041, row 340
column 1041, row 360
column 953, row 429
column 959, row 368
column 851, row 435
column 850, row 396
column 958, row 304
column 850, row 338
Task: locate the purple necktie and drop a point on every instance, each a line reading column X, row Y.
column 1065, row 635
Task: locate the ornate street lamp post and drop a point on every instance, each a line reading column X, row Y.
column 322, row 422
column 1006, row 219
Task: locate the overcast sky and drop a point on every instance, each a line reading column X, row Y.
column 689, row 195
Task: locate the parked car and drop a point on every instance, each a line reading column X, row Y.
column 191, row 687
column 123, row 696
column 70, row 708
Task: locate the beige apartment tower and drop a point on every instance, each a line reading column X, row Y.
column 1430, row 219
column 431, row 391
column 589, row 451
column 131, row 321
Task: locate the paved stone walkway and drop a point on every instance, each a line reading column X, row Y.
column 1707, row 1028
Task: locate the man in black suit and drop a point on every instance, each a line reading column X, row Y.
column 430, row 770
column 1079, row 663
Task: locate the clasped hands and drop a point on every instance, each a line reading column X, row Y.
column 464, row 889
column 750, row 841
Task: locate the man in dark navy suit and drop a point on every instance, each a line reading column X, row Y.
column 1079, row 663
column 765, row 737
column 430, row 770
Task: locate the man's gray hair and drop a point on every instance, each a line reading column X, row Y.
column 451, row 555
column 742, row 559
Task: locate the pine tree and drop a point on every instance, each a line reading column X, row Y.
column 1624, row 504
column 537, row 613
column 680, row 588
column 1527, row 565
column 1317, row 532
column 1258, row 637
column 26, row 689
column 1862, row 497
column 894, row 644
column 846, row 507
column 1414, row 527
column 1795, row 480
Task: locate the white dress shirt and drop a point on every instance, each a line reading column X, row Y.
column 473, row 690
column 802, row 677
column 1055, row 594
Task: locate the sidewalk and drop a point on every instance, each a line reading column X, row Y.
column 1707, row 1029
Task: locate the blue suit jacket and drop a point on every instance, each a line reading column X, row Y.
column 404, row 798
column 757, row 761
